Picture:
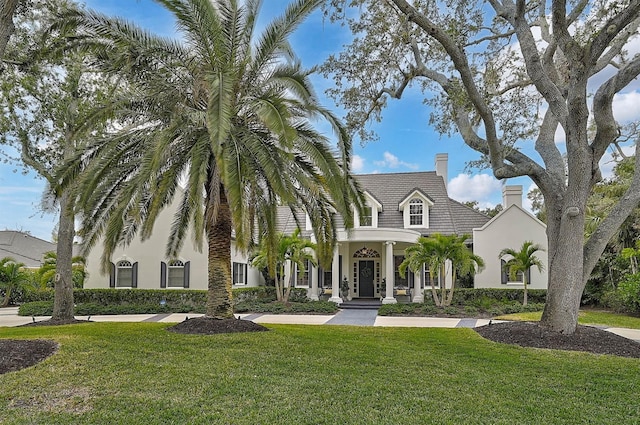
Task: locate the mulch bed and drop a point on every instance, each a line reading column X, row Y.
column 16, row 354
column 211, row 326
column 586, row 338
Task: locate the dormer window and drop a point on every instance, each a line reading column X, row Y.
column 416, row 212
column 366, row 220
column 415, row 209
column 369, row 216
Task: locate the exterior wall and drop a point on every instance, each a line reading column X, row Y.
column 150, row 253
column 509, row 229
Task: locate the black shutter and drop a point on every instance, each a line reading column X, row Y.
column 163, row 274
column 187, row 268
column 528, row 276
column 505, row 272
column 134, row 275
column 112, row 275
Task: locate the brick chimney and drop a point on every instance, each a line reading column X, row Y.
column 442, row 160
column 511, row 195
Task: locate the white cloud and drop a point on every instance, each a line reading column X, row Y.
column 17, row 190
column 357, row 163
column 479, row 187
column 526, row 202
column 625, row 106
column 392, row 161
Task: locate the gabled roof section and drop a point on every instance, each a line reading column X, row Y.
column 391, row 189
column 415, row 193
column 512, row 208
column 373, row 200
column 24, row 248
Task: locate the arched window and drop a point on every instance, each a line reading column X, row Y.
column 124, row 274
column 416, row 208
column 175, row 275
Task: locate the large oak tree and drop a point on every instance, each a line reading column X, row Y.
column 503, row 73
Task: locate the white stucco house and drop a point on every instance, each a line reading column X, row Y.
column 400, row 208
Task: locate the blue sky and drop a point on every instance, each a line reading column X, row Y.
column 406, row 142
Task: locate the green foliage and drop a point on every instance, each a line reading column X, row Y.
column 501, row 295
column 400, row 309
column 233, row 373
column 434, row 251
column 224, row 108
column 629, row 293
column 46, row 273
column 521, row 261
column 323, row 307
column 290, row 249
column 154, row 301
column 14, row 279
column 36, row 308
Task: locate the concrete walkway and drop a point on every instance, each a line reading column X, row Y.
column 9, row 317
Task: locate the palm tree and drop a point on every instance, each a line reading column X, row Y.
column 293, row 251
column 424, row 252
column 434, row 251
column 463, row 261
column 521, row 261
column 223, row 111
column 13, row 276
column 47, row 271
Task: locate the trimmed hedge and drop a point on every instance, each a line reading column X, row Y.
column 155, row 301
column 470, row 296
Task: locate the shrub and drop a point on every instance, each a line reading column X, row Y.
column 399, row 309
column 470, row 310
column 613, row 300
column 36, row 308
column 629, row 292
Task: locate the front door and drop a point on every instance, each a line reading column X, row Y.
column 365, row 279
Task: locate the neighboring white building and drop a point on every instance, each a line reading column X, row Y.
column 400, row 208
column 509, row 229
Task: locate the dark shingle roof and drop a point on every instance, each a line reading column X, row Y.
column 446, row 216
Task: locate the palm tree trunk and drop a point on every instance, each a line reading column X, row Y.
column 219, row 280
column 63, row 294
column 524, row 282
column 287, row 293
column 7, row 297
column 443, row 284
column 453, row 284
column 434, row 292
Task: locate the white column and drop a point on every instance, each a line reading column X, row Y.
column 389, row 274
column 335, row 276
column 313, row 296
column 418, row 286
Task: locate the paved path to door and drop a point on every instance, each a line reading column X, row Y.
column 365, row 317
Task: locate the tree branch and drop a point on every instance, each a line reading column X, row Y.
column 459, row 59
column 547, row 148
column 543, row 82
column 612, row 28
column 601, row 236
column 607, row 131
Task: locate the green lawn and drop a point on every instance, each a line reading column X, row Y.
column 585, row 317
column 115, row 373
